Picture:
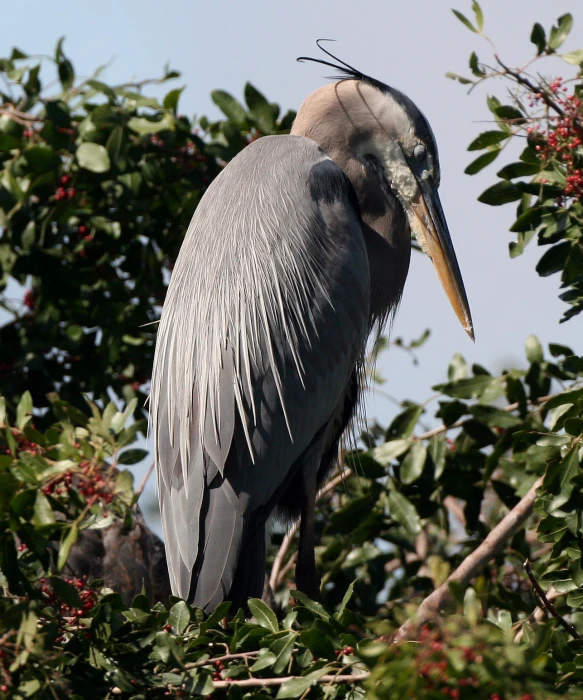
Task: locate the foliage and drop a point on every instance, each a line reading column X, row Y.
column 97, row 186
column 403, row 517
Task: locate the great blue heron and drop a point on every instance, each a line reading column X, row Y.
column 298, row 250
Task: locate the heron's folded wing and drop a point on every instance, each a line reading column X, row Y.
column 265, row 319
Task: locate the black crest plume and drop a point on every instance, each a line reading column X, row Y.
column 345, row 71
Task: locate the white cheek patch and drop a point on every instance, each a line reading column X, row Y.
column 400, row 174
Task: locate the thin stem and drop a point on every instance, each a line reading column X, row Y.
column 547, row 603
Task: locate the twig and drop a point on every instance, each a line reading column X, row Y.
column 219, row 659
column 270, row 682
column 20, row 117
column 458, row 424
column 281, row 555
column 430, row 607
column 142, row 486
column 547, row 603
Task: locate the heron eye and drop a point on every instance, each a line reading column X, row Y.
column 419, row 151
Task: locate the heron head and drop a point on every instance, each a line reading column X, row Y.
column 364, row 120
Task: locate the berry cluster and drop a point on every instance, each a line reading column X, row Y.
column 187, row 156
column 346, row 651
column 5, row 677
column 30, row 299
column 23, row 443
column 84, row 234
column 217, row 675
column 561, row 144
column 5, row 369
column 89, row 480
column 432, row 665
column 87, row 595
column 64, row 192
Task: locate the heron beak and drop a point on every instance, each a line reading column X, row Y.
column 428, row 223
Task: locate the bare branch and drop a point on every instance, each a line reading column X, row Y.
column 144, row 481
column 430, row 607
column 20, row 117
column 270, row 682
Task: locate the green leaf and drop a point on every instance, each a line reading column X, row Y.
column 66, row 73
column 475, row 66
column 263, row 614
column 24, row 410
column 120, row 418
column 384, row 454
column 458, row 368
column 412, row 465
column 283, row 648
column 41, row 159
column 510, row 113
column 171, row 99
column 179, row 616
column 561, row 473
column 513, row 170
column 98, row 86
column 144, row 126
column 464, row 20
column 538, row 38
column 318, row 643
column 459, row 78
column 265, row 660
column 469, row 388
column 404, row 512
column 534, row 349
column 132, row 456
column 66, row 592
column 75, row 333
column 554, row 259
column 488, row 138
column 297, row 686
column 230, row 107
column 93, row 157
column 260, row 109
column 560, row 31
column 494, row 417
column 66, row 544
column 564, row 397
column 482, row 161
column 574, row 57
column 315, row 608
column 43, row 513
column 345, row 600
column 479, row 15
column 500, row 193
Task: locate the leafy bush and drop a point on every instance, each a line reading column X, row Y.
column 424, row 534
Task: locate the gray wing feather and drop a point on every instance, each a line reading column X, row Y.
column 265, row 319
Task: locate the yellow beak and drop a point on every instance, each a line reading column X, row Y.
column 428, row 223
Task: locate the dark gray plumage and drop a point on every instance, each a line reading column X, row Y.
column 296, row 250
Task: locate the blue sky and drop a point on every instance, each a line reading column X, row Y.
column 410, row 45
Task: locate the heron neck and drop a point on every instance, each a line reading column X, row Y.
column 387, row 237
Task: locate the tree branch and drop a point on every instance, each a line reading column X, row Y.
column 430, row 607
column 270, row 682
